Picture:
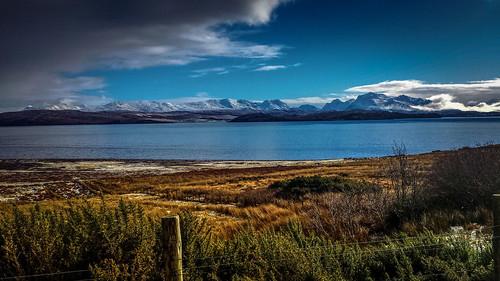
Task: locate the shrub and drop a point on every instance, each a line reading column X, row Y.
column 291, row 254
column 297, row 187
column 465, row 179
column 349, row 216
column 122, row 244
column 406, row 179
column 47, row 241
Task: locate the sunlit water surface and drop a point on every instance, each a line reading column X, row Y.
column 246, row 141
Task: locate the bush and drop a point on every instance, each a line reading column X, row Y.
column 298, row 187
column 406, row 180
column 349, row 216
column 291, row 254
column 465, row 179
column 122, row 244
column 48, row 241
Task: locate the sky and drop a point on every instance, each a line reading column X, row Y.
column 300, row 51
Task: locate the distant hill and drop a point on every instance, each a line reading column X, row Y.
column 75, row 117
column 331, row 116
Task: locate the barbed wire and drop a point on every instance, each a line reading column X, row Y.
column 430, row 275
column 429, row 247
column 371, row 242
column 45, row 274
column 432, row 246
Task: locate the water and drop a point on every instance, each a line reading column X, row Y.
column 245, row 141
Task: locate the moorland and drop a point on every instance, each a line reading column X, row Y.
column 403, row 217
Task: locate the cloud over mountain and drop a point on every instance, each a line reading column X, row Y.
column 475, row 95
column 45, row 44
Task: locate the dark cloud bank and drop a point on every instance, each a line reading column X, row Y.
column 46, row 43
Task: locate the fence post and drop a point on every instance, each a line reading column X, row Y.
column 496, row 235
column 172, row 247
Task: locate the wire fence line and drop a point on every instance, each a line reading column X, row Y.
column 46, row 274
column 425, row 276
column 429, row 247
column 368, row 243
column 434, row 246
column 329, row 255
column 479, row 239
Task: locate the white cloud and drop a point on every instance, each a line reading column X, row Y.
column 202, row 95
column 447, row 102
column 474, row 95
column 184, row 46
column 220, row 70
column 342, row 96
column 205, row 71
column 270, row 67
column 483, row 96
column 317, row 101
column 265, row 67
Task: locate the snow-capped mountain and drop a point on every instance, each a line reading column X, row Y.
column 374, row 101
column 337, row 105
column 160, row 106
column 269, row 105
column 57, row 106
column 308, row 108
column 141, row 106
column 369, row 101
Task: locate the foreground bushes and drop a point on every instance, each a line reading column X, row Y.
column 123, row 244
column 466, row 178
column 44, row 241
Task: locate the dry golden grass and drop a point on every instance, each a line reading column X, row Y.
column 229, row 198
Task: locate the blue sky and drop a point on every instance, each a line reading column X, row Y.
column 329, row 46
column 272, row 49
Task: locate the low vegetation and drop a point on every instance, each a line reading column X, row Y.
column 466, row 178
column 121, row 243
column 298, row 187
column 326, row 223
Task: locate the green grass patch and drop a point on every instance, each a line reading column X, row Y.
column 298, row 187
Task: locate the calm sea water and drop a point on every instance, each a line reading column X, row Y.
column 249, row 141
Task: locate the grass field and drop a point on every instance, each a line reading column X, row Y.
column 230, row 194
column 404, row 217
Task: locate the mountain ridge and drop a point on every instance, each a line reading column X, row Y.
column 365, row 102
column 163, row 106
column 374, row 101
column 75, row 117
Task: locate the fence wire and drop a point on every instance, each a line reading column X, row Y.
column 45, row 274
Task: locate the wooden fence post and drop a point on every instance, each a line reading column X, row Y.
column 172, row 248
column 496, row 235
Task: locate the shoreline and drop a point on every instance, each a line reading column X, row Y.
column 41, row 180
column 35, row 118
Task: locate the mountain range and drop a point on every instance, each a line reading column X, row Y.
column 368, row 102
column 161, row 106
column 370, row 106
